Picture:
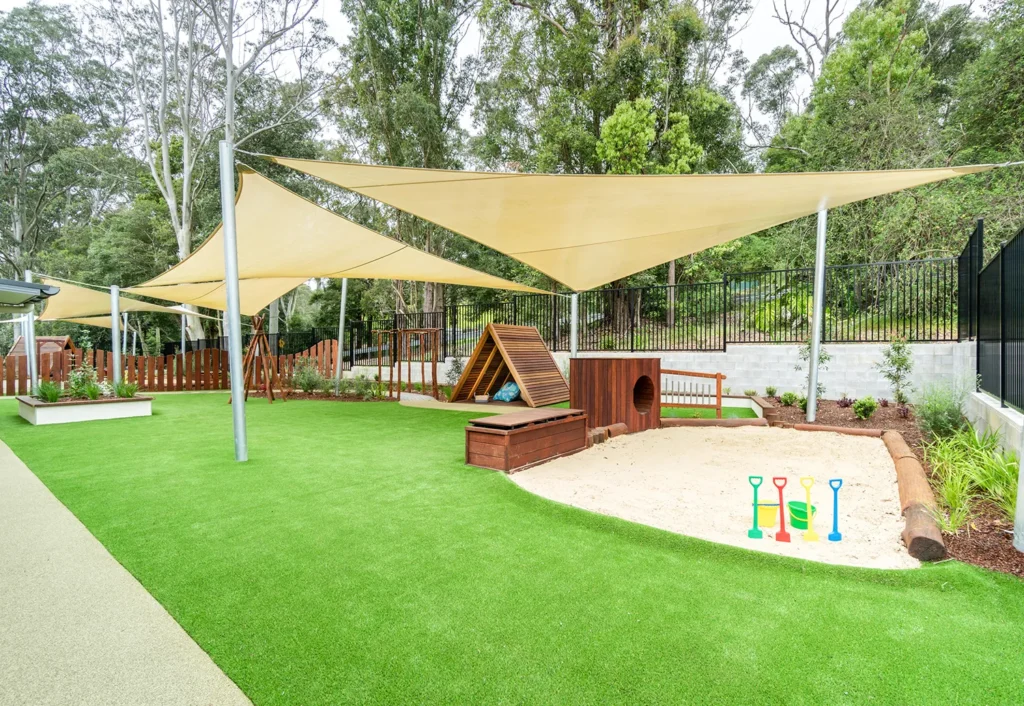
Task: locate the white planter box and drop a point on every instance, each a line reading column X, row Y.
column 67, row 411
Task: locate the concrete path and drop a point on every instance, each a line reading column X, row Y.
column 75, row 626
column 414, row 399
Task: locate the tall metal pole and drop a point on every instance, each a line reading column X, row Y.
column 233, row 316
column 818, row 315
column 574, row 324
column 124, row 333
column 183, row 334
column 30, row 344
column 341, row 337
column 115, row 329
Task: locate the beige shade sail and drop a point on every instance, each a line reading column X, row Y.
column 284, row 240
column 588, row 230
column 88, row 306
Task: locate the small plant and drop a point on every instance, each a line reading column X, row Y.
column 366, row 388
column 726, row 390
column 904, row 411
column 93, row 391
column 788, row 399
column 750, row 393
column 107, row 389
column 79, row 381
column 454, row 372
column 882, row 402
column 801, row 402
column 940, row 409
column 307, row 377
column 865, row 407
column 844, row 402
column 805, row 363
column 770, row 390
column 125, row 389
column 48, row 391
column 896, row 367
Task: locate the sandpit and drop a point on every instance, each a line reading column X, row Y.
column 693, row 481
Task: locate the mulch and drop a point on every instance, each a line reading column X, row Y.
column 299, row 395
column 987, row 542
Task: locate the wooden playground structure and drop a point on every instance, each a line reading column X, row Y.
column 258, row 360
column 428, row 341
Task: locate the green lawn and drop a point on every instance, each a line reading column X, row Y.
column 355, row 559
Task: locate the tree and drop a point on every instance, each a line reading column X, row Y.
column 58, row 131
column 176, row 54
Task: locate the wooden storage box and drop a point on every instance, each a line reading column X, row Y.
column 511, row 442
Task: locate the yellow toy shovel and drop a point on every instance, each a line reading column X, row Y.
column 810, row 535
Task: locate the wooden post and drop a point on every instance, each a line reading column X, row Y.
column 433, row 366
column 718, row 396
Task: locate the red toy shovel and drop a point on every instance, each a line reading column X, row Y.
column 782, row 535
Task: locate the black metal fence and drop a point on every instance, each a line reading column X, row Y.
column 915, row 299
column 1001, row 324
column 968, row 266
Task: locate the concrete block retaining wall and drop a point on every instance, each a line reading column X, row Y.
column 754, row 366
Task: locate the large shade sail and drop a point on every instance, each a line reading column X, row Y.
column 284, row 240
column 91, row 306
column 588, row 230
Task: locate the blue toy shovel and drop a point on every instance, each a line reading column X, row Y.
column 755, row 533
column 835, row 484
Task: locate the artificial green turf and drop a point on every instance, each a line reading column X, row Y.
column 355, row 558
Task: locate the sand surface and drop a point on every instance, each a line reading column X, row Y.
column 693, row 481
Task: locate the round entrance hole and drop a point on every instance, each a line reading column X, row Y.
column 643, row 394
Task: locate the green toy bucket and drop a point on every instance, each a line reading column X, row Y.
column 798, row 514
column 767, row 513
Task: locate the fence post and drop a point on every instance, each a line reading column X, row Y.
column 1002, row 325
column 632, row 319
column 725, row 311
column 444, row 332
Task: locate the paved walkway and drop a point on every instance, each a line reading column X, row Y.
column 414, row 399
column 75, row 626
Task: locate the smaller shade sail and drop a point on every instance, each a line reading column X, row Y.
column 253, row 294
column 83, row 305
column 588, row 230
column 284, row 240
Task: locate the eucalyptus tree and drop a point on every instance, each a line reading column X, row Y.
column 175, row 53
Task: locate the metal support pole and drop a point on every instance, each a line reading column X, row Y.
column 182, row 351
column 115, row 329
column 124, row 333
column 30, row 344
column 341, row 338
column 818, row 315
column 574, row 324
column 233, row 318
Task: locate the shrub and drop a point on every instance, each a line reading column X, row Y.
column 93, row 391
column 125, row 389
column 307, row 377
column 805, row 363
column 770, row 390
column 896, row 367
column 940, row 409
column 966, row 469
column 750, row 393
column 865, row 407
column 882, row 402
column 844, row 401
column 48, row 391
column 79, row 381
column 904, row 411
column 454, row 371
column 801, row 402
column 788, row 399
column 366, row 388
column 726, row 390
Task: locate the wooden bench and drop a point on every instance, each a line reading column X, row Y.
column 512, row 442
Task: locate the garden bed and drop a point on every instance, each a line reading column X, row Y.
column 323, row 397
column 67, row 411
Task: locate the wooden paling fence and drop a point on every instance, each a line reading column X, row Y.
column 199, row 370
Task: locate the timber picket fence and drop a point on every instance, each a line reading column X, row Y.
column 194, row 371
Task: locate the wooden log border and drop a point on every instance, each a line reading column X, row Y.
column 667, row 422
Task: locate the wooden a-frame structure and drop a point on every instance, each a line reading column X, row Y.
column 259, row 353
column 516, row 353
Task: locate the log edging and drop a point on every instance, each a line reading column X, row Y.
column 876, row 433
column 917, row 502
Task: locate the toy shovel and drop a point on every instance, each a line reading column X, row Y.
column 835, row 484
column 754, row 532
column 782, row 535
column 810, row 535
